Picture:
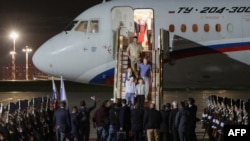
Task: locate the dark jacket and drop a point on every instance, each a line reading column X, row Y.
column 137, row 119
column 101, row 117
column 124, row 118
column 87, row 111
column 182, row 119
column 192, row 111
column 74, row 118
column 114, row 116
column 152, row 119
column 172, row 119
column 127, row 75
column 165, row 121
column 61, row 120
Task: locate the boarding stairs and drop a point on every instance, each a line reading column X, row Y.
column 123, row 38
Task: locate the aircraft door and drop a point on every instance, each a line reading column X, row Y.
column 245, row 27
column 122, row 25
column 122, row 29
column 123, row 16
column 163, row 53
column 164, row 42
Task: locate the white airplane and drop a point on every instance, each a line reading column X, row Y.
column 206, row 43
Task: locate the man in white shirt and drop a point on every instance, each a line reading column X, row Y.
column 140, row 93
column 130, row 90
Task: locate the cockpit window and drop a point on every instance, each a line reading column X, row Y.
column 70, row 26
column 82, row 26
column 94, row 26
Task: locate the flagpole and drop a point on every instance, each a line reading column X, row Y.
column 8, row 111
column 54, row 90
column 1, row 110
column 63, row 96
column 54, row 96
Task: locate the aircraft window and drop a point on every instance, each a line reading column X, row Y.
column 206, row 27
column 195, row 27
column 183, row 28
column 218, row 27
column 70, row 25
column 230, row 27
column 171, row 28
column 82, row 26
column 94, row 25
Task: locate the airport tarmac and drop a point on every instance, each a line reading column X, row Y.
column 74, row 98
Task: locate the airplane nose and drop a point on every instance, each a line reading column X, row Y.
column 51, row 57
column 40, row 56
column 48, row 57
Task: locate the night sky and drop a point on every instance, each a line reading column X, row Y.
column 35, row 21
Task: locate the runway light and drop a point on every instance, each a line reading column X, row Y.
column 12, row 53
column 27, row 50
column 14, row 36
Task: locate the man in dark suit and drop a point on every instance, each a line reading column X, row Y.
column 124, row 118
column 137, row 122
column 172, row 128
column 181, row 121
column 74, row 118
column 114, row 121
column 61, row 121
column 84, row 129
column 151, row 122
column 192, row 108
column 164, row 128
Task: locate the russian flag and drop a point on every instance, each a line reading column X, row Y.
column 63, row 96
column 1, row 108
column 54, row 91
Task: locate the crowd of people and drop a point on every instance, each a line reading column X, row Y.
column 221, row 111
column 74, row 126
column 42, row 119
column 27, row 120
column 113, row 120
column 121, row 120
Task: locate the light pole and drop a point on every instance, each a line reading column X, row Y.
column 13, row 35
column 13, row 70
column 27, row 50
